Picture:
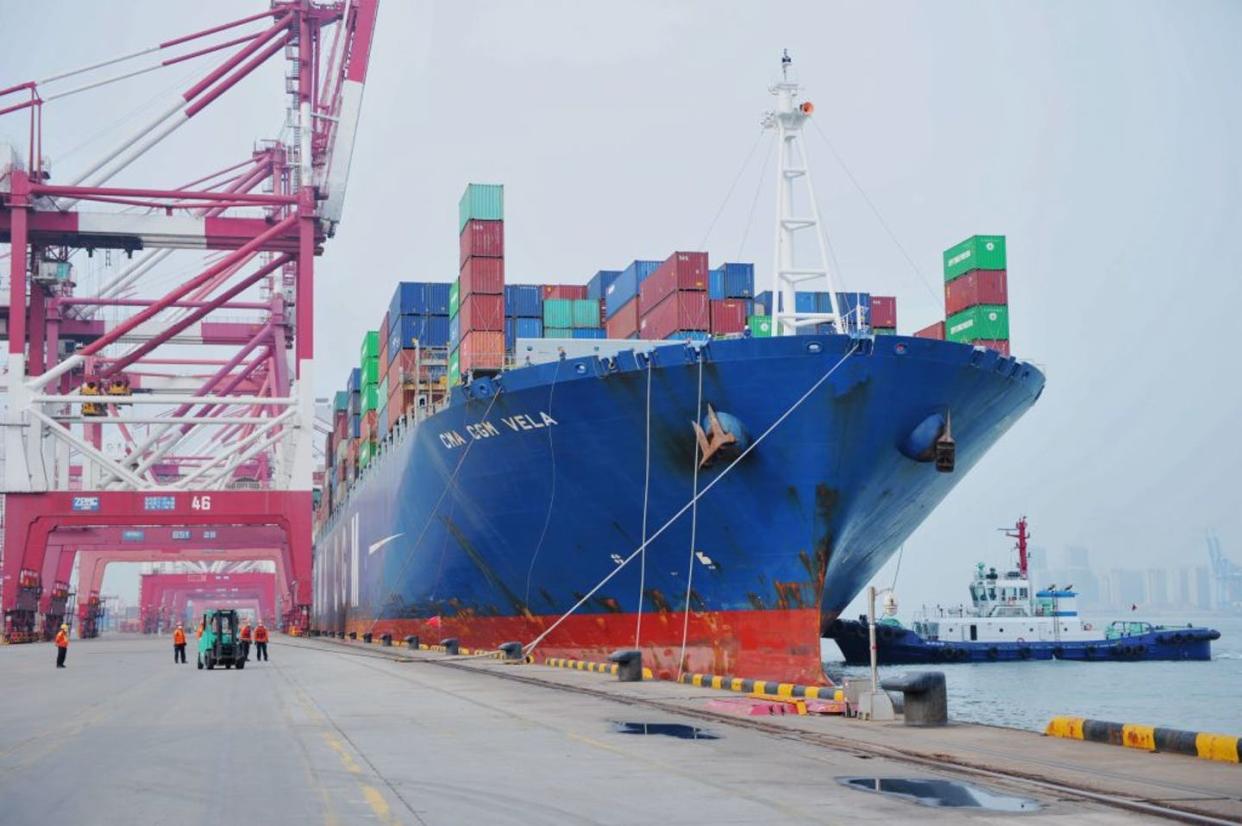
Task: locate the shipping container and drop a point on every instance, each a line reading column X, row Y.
column 625, row 287
column 682, row 310
column 370, row 345
column 884, row 312
column 485, row 276
column 370, row 398
column 624, row 322
column 731, row 280
column 484, row 202
column 340, row 401
column 935, row 331
column 978, row 252
column 988, row 321
column 355, row 380
column 454, row 331
column 558, row 312
column 729, row 315
column 454, row 369
column 804, row 302
column 564, row 291
column 688, row 335
column 558, row 332
column 597, row 287
column 855, row 308
column 482, row 312
column 585, row 312
column 759, row 326
column 485, row 239
column 482, row 350
column 884, row 331
column 528, row 328
column 370, row 371
column 588, row 332
column 427, row 331
column 355, row 426
column 974, row 288
column 454, row 297
column 684, row 271
column 523, row 301
column 999, row 345
column 409, row 298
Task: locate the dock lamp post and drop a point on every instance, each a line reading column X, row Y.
column 876, row 705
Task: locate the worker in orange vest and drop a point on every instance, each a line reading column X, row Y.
column 260, row 642
column 179, row 644
column 245, row 640
column 62, row 646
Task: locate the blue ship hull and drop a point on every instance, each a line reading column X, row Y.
column 901, row 646
column 493, row 518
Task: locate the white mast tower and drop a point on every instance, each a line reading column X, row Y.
column 794, row 215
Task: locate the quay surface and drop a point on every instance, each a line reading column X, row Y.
column 341, row 733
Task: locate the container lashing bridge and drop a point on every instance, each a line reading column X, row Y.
column 146, row 419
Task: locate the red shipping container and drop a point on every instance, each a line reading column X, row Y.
column 935, row 331
column 974, row 288
column 884, row 311
column 570, row 291
column 624, row 322
column 482, row 312
column 684, row 271
column 683, row 310
column 728, row 316
column 481, row 350
column 1000, row 346
column 485, row 276
column 485, row 239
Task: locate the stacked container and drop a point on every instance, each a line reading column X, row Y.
column 369, row 384
column 731, row 281
column 976, row 295
column 884, row 315
column 621, row 299
column 523, row 313
column 418, row 323
column 673, row 299
column 477, row 327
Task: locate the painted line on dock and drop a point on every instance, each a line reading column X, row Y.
column 1224, row 748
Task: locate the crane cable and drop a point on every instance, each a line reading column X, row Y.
column 533, row 644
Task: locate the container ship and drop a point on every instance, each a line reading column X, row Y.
column 661, row 459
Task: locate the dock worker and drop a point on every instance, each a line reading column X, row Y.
column 245, row 640
column 179, row 644
column 260, row 642
column 62, row 646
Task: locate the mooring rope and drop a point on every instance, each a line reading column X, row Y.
column 533, row 644
column 642, row 558
column 694, row 526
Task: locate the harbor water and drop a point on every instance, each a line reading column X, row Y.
column 1198, row 696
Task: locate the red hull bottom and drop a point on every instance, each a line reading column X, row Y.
column 778, row 645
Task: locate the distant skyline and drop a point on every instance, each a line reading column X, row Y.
column 1102, row 138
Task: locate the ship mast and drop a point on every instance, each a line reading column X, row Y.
column 795, row 214
column 1022, row 536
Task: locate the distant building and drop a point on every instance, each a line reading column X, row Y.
column 1126, row 588
column 1037, row 558
column 1157, row 594
column 1077, row 556
column 1202, row 589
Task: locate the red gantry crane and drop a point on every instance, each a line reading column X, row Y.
column 144, row 410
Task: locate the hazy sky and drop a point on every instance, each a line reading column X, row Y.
column 1102, row 138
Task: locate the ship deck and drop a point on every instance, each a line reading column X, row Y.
column 345, row 733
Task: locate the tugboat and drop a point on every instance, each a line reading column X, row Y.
column 1008, row 620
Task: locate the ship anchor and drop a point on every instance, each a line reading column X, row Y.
column 709, row 446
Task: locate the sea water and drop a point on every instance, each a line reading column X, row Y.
column 1196, row 696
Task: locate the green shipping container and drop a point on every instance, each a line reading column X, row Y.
column 364, row 453
column 760, row 326
column 558, row 332
column 370, row 398
column 987, row 321
column 978, row 252
column 485, row 202
column 884, row 331
column 370, row 370
column 340, row 402
column 454, row 369
column 454, row 297
column 370, row 345
column 586, row 312
column 558, row 312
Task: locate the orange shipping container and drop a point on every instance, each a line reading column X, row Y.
column 481, row 350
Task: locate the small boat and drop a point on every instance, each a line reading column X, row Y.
column 1008, row 620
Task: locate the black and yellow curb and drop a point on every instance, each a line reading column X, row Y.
column 768, row 688
column 487, row 653
column 583, row 665
column 1224, row 748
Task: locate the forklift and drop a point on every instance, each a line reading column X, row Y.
column 219, row 644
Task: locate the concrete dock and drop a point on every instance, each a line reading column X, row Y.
column 340, row 733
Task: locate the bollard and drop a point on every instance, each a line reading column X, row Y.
column 386, row 640
column 924, row 696
column 411, row 642
column 366, row 637
column 629, row 664
column 512, row 650
column 451, row 646
column 353, row 635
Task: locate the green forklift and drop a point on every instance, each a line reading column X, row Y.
column 219, row 644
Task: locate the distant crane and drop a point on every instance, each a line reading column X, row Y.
column 1226, row 576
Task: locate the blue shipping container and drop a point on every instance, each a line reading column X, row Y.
column 523, row 301
column 510, row 334
column 715, row 284
column 355, row 427
column 848, row 305
column 528, row 327
column 589, row 332
column 739, row 280
column 598, row 286
column 354, row 385
column 437, row 296
column 688, row 335
column 427, row 330
column 625, row 286
column 410, row 298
